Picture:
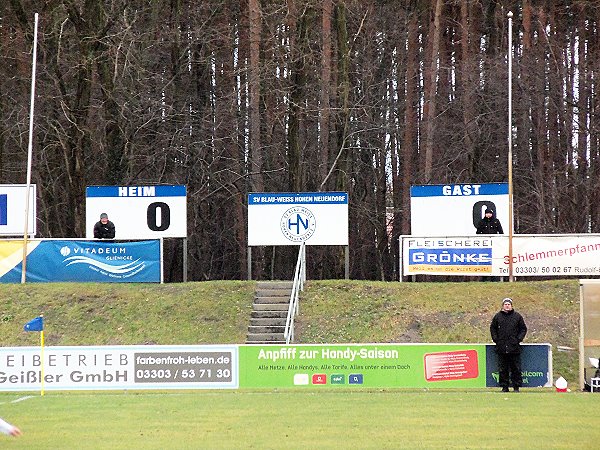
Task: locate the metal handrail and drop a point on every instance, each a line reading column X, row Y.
column 297, row 287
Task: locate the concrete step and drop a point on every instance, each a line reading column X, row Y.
column 269, row 314
column 273, row 293
column 259, row 329
column 268, row 321
column 266, row 342
column 274, row 285
column 265, row 337
column 270, row 307
column 272, row 300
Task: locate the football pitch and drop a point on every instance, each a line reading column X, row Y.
column 301, row 419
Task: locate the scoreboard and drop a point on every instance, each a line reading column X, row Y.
column 138, row 212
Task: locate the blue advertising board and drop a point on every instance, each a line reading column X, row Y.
column 535, row 365
column 452, row 255
column 73, row 260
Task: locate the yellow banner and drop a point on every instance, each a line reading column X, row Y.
column 11, row 253
column 420, row 268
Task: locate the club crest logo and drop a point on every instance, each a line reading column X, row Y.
column 298, row 224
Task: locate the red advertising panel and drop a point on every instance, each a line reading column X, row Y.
column 457, row 365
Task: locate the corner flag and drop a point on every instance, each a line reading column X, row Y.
column 36, row 324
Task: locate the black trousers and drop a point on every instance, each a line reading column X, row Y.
column 509, row 369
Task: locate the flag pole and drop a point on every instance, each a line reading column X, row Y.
column 29, row 150
column 37, row 324
column 510, row 163
column 42, row 359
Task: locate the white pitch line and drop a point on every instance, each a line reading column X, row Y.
column 22, row 398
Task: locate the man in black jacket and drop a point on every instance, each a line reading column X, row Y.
column 489, row 224
column 508, row 330
column 104, row 228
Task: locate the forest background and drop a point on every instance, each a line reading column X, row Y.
column 369, row 97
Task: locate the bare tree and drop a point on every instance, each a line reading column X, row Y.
column 254, row 87
column 325, row 88
column 431, row 90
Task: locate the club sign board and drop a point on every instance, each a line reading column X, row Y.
column 138, row 212
column 316, row 218
column 12, row 209
column 455, row 209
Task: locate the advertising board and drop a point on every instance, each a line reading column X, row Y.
column 385, row 365
column 532, row 255
column 53, row 260
column 350, row 366
column 12, row 209
column 119, row 367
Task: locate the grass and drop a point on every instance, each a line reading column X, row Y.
column 339, row 311
column 308, row 419
column 331, row 312
column 121, row 314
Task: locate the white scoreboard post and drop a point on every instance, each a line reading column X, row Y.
column 12, row 209
column 140, row 212
column 455, row 209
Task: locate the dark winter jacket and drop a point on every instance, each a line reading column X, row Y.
column 508, row 330
column 104, row 231
column 489, row 226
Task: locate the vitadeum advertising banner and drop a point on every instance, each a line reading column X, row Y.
column 316, row 218
column 533, row 255
column 138, row 212
column 351, row 366
column 455, row 209
column 12, row 209
column 71, row 260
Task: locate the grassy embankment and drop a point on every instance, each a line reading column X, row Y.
column 331, row 312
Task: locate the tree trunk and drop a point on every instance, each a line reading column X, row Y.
column 343, row 96
column 325, row 90
column 468, row 86
column 431, row 94
column 409, row 142
column 254, row 85
column 297, row 97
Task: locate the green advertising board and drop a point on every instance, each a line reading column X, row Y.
column 363, row 365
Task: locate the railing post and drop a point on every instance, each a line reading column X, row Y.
column 297, row 286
